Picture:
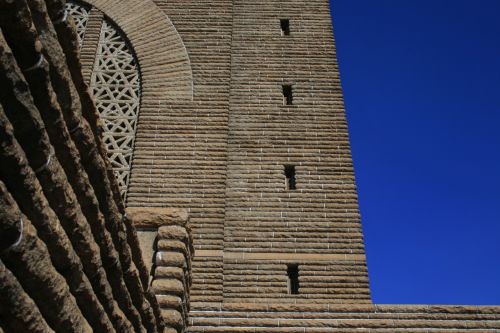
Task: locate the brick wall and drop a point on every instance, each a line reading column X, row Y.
column 265, row 318
column 180, row 158
column 222, row 155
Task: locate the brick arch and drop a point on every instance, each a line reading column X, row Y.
column 163, row 59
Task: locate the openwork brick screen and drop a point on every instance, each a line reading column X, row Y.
column 80, row 15
column 116, row 86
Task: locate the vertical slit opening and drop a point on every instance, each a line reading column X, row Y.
column 287, row 94
column 290, row 181
column 285, row 27
column 293, row 278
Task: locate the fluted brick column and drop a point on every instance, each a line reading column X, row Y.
column 30, row 133
column 18, row 312
column 70, row 106
column 27, row 257
column 96, row 164
column 42, row 129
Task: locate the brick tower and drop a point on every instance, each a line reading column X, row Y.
column 291, row 212
column 225, row 126
column 246, row 129
column 260, row 155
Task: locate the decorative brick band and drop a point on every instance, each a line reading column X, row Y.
column 163, row 59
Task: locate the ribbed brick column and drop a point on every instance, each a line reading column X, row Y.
column 27, row 256
column 56, row 169
column 18, row 312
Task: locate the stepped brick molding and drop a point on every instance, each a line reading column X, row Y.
column 171, row 251
column 155, row 217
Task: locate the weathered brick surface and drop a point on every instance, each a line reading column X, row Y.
column 46, row 140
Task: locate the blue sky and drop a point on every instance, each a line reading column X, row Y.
column 421, row 80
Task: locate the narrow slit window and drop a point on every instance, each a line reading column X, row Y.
column 285, row 27
column 287, row 95
column 290, row 181
column 293, row 278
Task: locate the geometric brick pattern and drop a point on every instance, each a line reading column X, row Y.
column 115, row 83
column 80, row 15
column 165, row 65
